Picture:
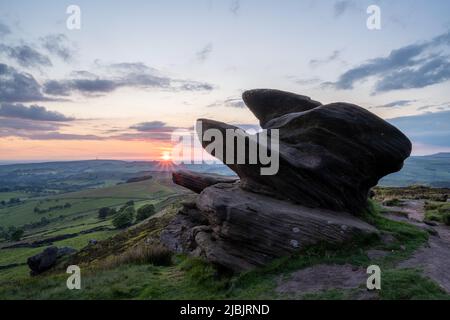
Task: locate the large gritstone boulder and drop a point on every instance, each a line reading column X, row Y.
column 329, row 158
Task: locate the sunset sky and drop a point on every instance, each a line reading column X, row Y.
column 138, row 70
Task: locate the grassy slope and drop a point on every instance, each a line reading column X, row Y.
column 189, row 278
column 81, row 216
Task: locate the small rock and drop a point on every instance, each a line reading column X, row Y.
column 93, row 242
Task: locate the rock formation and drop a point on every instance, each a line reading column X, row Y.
column 45, row 260
column 330, row 156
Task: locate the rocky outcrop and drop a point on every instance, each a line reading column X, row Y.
column 47, row 259
column 198, row 182
column 238, row 229
column 330, row 157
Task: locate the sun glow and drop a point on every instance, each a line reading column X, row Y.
column 166, row 156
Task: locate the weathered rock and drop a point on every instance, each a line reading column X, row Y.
column 43, row 261
column 199, row 181
column 330, row 155
column 239, row 230
column 47, row 259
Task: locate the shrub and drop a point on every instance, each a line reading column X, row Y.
column 17, row 235
column 104, row 212
column 145, row 212
column 152, row 254
column 124, row 218
column 444, row 209
column 392, row 202
column 446, row 218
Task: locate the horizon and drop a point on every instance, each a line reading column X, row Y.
column 12, row 162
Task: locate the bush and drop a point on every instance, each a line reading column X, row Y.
column 145, row 212
column 104, row 212
column 17, row 235
column 124, row 218
column 446, row 218
column 157, row 255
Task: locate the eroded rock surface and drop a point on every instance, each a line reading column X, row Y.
column 330, row 157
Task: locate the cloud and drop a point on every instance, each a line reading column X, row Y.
column 342, row 6
column 413, row 66
column 318, row 62
column 235, row 6
column 149, row 126
column 9, row 126
column 33, row 112
column 152, row 130
column 204, row 53
column 58, row 45
column 63, row 136
column 433, row 71
column 4, row 29
column 304, row 81
column 428, row 128
column 135, row 75
column 398, row 103
column 86, row 86
column 25, row 56
column 17, row 86
column 230, row 102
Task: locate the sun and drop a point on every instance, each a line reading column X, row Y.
column 165, row 156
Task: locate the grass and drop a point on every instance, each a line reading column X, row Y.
column 438, row 211
column 137, row 274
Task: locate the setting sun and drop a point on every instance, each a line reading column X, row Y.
column 166, row 156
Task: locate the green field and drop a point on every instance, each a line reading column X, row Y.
column 76, row 214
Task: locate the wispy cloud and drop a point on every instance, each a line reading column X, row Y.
column 235, row 6
column 396, row 104
column 58, row 45
column 318, row 62
column 18, row 86
column 204, row 53
column 231, row 102
column 25, row 56
column 33, row 112
column 342, row 6
column 413, row 66
column 135, row 75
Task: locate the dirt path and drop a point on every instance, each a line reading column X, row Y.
column 433, row 259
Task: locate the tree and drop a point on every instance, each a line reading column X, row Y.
column 130, row 203
column 17, row 235
column 144, row 212
column 124, row 218
column 103, row 212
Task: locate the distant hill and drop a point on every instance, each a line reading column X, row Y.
column 433, row 171
column 56, row 177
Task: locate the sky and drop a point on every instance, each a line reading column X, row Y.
column 135, row 71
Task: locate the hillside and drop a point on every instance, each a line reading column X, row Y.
column 433, row 170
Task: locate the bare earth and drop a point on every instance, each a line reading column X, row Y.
column 433, row 259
